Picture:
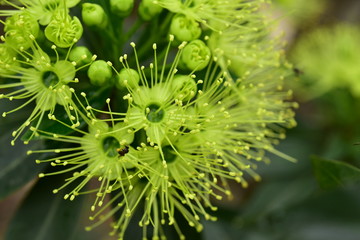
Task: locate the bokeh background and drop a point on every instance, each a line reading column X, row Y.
column 317, row 198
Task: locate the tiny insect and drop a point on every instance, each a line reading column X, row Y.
column 298, row 72
column 122, row 151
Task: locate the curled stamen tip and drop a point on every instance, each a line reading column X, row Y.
column 132, row 44
column 41, row 175
column 154, row 46
column 108, row 100
column 53, row 47
column 94, row 57
column 55, row 191
column 109, row 63
column 171, row 37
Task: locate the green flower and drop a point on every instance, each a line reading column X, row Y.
column 237, row 33
column 102, row 152
column 42, row 11
column 36, row 78
column 199, row 134
column 18, row 29
column 7, row 59
column 214, row 14
column 196, row 56
column 185, row 122
column 63, row 30
column 184, row 28
column 239, row 50
column 329, row 58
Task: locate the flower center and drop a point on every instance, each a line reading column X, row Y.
column 169, row 154
column 154, row 113
column 50, row 79
column 110, row 146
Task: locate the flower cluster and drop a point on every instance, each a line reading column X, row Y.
column 329, row 58
column 195, row 100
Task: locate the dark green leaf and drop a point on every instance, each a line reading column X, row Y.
column 332, row 174
column 16, row 167
column 45, row 215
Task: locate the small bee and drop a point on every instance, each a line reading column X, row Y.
column 122, row 151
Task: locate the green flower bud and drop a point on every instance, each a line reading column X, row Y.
column 148, row 10
column 81, row 55
column 184, row 28
column 184, row 87
column 127, row 77
column 195, row 56
column 63, row 30
column 18, row 29
column 121, row 8
column 99, row 72
column 94, row 15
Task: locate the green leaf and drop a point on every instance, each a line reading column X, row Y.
column 45, row 215
column 16, row 167
column 331, row 174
